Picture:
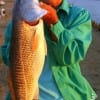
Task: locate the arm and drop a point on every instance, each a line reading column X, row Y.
column 5, row 46
column 73, row 42
column 0, row 56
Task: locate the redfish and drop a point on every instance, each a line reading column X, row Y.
column 27, row 56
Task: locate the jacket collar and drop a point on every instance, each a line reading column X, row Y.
column 64, row 6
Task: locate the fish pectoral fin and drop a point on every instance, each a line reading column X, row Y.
column 45, row 47
column 35, row 41
column 36, row 95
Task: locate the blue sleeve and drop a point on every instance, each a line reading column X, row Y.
column 5, row 46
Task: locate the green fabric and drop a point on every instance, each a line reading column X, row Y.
column 73, row 31
column 5, row 47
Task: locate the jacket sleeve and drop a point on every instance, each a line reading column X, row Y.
column 5, row 46
column 74, row 40
column 0, row 56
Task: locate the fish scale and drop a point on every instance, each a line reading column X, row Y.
column 27, row 55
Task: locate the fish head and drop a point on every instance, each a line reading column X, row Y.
column 28, row 10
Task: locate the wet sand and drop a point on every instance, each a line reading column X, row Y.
column 90, row 66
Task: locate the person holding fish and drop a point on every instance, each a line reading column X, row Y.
column 68, row 36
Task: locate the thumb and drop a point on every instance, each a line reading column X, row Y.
column 44, row 5
column 41, row 4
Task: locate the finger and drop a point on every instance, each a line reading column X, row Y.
column 44, row 6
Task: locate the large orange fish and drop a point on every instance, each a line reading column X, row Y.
column 27, row 55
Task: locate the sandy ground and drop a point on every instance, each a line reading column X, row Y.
column 90, row 66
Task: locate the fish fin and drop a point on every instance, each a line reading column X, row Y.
column 35, row 41
column 45, row 47
column 10, row 84
column 36, row 95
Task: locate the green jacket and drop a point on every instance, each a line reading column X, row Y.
column 73, row 31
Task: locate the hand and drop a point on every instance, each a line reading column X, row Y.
column 51, row 16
